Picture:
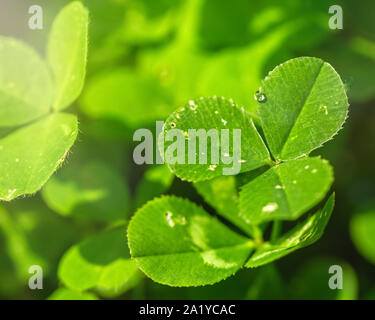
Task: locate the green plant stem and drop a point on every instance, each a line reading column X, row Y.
column 276, row 229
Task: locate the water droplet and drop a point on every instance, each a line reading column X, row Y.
column 226, row 154
column 241, row 161
column 17, row 160
column 278, row 187
column 216, row 112
column 260, row 97
column 224, row 122
column 294, row 182
column 173, row 125
column 306, row 167
column 212, row 167
column 270, row 207
column 192, row 105
column 314, row 171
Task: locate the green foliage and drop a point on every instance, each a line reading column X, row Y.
column 362, row 229
column 145, row 59
column 30, row 154
column 93, row 191
column 300, row 236
column 28, row 227
column 285, row 191
column 101, row 262
column 26, row 90
column 305, row 105
column 176, row 242
column 221, row 193
column 220, row 114
column 67, row 53
column 119, row 94
column 155, row 182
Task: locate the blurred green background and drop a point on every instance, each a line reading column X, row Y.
column 146, row 59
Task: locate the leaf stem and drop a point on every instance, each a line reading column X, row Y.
column 276, row 229
column 258, row 235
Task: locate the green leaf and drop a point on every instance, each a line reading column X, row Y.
column 67, row 53
column 304, row 104
column 155, row 181
column 286, row 191
column 299, row 237
column 362, row 230
column 221, row 193
column 26, row 90
column 68, row 294
column 125, row 96
column 177, row 243
column 92, row 190
column 219, row 114
column 31, row 154
column 101, row 262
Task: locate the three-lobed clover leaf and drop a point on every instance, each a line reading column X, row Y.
column 37, row 135
column 302, row 104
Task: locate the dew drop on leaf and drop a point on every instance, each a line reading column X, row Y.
column 260, row 97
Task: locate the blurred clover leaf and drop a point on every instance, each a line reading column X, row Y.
column 302, row 105
column 37, row 137
column 362, row 229
column 101, row 263
column 91, row 190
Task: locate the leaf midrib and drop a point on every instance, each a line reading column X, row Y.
column 300, row 111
